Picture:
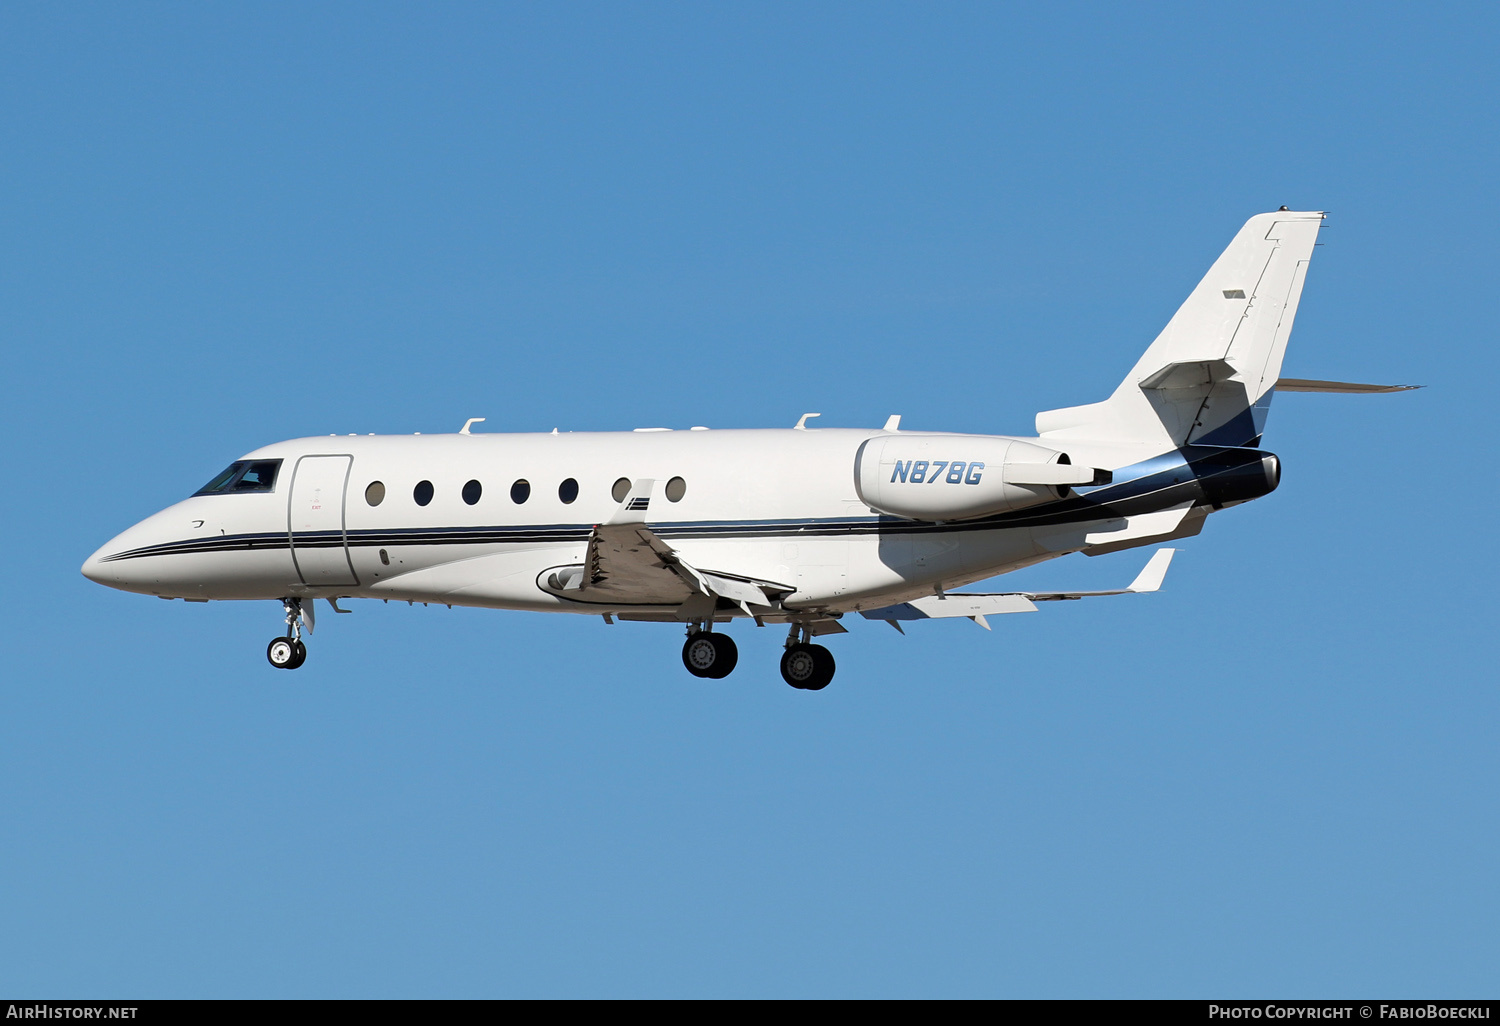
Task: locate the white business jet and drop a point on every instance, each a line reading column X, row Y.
column 798, row 527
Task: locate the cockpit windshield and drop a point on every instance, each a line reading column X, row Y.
column 243, row 476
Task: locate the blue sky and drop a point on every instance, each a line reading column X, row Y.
column 231, row 225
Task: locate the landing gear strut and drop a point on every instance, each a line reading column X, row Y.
column 806, row 666
column 706, row 654
column 289, row 652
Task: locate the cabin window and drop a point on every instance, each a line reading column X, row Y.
column 676, row 489
column 375, row 493
column 520, row 491
column 568, row 491
column 422, row 493
column 621, row 489
column 472, row 491
column 243, row 476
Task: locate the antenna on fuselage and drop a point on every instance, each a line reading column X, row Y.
column 470, row 423
column 802, row 424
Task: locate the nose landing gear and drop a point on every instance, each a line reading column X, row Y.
column 289, row 652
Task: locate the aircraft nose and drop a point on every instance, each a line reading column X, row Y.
column 93, row 568
column 107, row 567
column 112, row 573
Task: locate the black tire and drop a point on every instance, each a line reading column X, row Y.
column 729, row 656
column 301, row 654
column 710, row 655
column 282, row 654
column 826, row 668
column 807, row 667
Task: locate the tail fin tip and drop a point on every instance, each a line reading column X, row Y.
column 1208, row 377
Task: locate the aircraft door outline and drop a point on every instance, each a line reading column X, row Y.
column 315, row 509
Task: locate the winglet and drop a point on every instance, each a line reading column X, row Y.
column 633, row 509
column 1155, row 571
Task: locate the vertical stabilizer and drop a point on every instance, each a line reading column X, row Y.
column 1209, row 376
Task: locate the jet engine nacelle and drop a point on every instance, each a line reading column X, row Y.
column 958, row 477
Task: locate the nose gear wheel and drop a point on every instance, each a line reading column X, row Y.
column 286, row 653
column 289, row 652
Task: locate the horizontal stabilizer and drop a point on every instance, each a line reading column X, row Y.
column 977, row 606
column 1341, row 387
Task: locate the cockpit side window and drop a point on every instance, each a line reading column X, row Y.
column 259, row 476
column 243, row 476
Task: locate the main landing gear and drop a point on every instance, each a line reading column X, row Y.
column 289, row 652
column 804, row 666
column 706, row 654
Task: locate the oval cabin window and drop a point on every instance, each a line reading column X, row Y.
column 621, row 489
column 472, row 491
column 568, row 490
column 422, row 493
column 520, row 491
column 375, row 493
column 676, row 489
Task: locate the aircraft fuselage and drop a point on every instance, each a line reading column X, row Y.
column 345, row 517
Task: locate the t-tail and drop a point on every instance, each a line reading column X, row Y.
column 1209, row 376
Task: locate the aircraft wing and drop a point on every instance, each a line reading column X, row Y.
column 628, row 563
column 976, row 606
column 1149, row 579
